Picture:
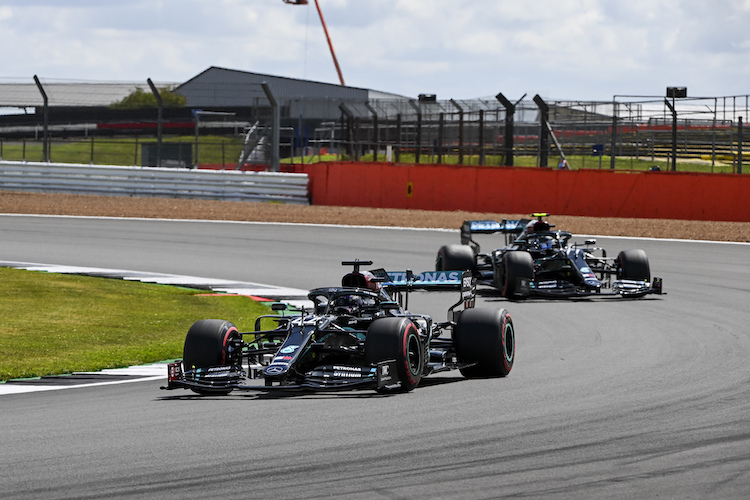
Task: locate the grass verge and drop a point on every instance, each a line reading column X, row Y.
column 220, row 150
column 57, row 323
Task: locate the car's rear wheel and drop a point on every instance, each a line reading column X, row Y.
column 516, row 266
column 455, row 258
column 633, row 265
column 207, row 344
column 485, row 337
column 397, row 339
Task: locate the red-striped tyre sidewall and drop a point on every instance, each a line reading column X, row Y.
column 397, row 338
column 411, row 341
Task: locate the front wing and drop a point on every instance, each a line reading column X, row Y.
column 561, row 288
column 221, row 379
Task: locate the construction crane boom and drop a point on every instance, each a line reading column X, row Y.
column 325, row 30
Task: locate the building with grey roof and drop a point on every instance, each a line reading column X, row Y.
column 220, row 88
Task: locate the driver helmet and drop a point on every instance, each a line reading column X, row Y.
column 364, row 279
column 347, row 304
column 536, row 226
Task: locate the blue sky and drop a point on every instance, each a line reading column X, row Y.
column 561, row 49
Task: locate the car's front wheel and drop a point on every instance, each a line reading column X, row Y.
column 397, row 339
column 208, row 344
column 516, row 266
column 633, row 265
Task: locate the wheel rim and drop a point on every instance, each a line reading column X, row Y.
column 413, row 355
column 226, row 357
column 509, row 342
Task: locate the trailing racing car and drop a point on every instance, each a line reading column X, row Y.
column 540, row 261
column 358, row 335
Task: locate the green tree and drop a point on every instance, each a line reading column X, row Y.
column 143, row 99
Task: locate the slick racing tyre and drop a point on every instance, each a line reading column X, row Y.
column 633, row 265
column 455, row 258
column 516, row 265
column 485, row 337
column 397, row 338
column 206, row 345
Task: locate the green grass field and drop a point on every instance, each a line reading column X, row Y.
column 57, row 323
column 219, row 150
column 115, row 151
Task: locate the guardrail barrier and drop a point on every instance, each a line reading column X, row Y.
column 227, row 185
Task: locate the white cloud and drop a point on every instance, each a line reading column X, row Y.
column 578, row 49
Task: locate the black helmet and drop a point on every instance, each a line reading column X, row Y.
column 536, row 226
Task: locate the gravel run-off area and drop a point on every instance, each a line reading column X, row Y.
column 173, row 208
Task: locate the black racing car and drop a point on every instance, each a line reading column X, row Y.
column 540, row 261
column 358, row 335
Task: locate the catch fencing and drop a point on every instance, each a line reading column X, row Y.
column 625, row 133
column 618, row 134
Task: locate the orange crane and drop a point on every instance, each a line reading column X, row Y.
column 325, row 29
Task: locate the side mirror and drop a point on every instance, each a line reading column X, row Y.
column 590, row 242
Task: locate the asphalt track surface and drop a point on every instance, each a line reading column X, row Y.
column 608, row 398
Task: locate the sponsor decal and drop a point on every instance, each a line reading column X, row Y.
column 432, row 277
column 511, row 225
column 386, row 373
column 174, row 371
column 289, row 349
column 587, row 273
column 347, row 368
column 547, row 284
column 467, row 290
column 274, row 369
column 485, row 225
column 282, row 359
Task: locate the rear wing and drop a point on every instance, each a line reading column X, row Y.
column 428, row 280
column 507, row 227
column 406, row 281
column 398, row 284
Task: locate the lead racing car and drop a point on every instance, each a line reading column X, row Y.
column 540, row 261
column 358, row 335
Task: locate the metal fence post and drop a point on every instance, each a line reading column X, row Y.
column 418, row 139
column 739, row 144
column 481, row 137
column 160, row 112
column 398, row 138
column 275, row 134
column 510, row 110
column 45, row 143
column 674, row 134
column 375, row 134
column 460, row 132
column 543, row 133
column 348, row 122
column 440, row 140
column 613, row 144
